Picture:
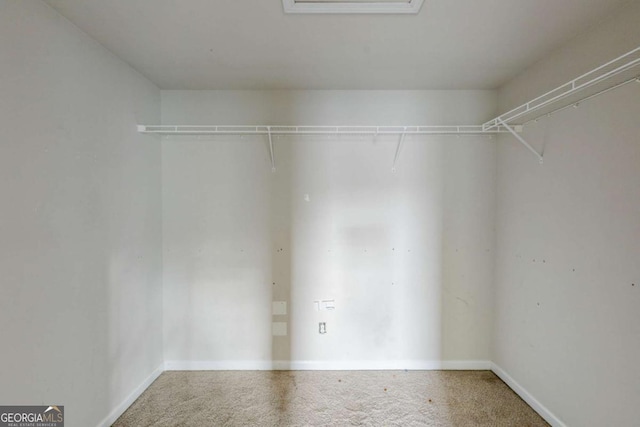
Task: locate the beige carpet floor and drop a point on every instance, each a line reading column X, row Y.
column 329, row 398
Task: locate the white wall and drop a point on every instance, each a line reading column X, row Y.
column 567, row 296
column 80, row 229
column 407, row 257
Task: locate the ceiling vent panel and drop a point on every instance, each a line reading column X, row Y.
column 352, row 6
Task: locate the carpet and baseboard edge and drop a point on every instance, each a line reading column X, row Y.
column 229, row 365
column 542, row 410
column 128, row 401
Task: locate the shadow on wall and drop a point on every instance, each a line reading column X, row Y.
column 281, row 302
column 357, row 250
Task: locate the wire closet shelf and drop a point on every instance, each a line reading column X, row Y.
column 609, row 76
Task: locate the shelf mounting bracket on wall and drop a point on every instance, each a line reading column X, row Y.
column 521, row 140
column 273, row 162
column 398, row 149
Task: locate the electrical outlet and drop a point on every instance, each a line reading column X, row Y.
column 322, row 327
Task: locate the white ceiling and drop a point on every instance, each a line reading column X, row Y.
column 253, row 44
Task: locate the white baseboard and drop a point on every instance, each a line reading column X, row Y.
column 124, row 405
column 317, row 365
column 527, row 397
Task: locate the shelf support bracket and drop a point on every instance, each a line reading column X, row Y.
column 521, row 140
column 398, row 149
column 273, row 162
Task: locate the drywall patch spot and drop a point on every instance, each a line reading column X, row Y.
column 463, row 301
column 327, row 304
column 279, row 329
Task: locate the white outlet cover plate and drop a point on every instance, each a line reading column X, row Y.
column 279, row 308
column 279, row 329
